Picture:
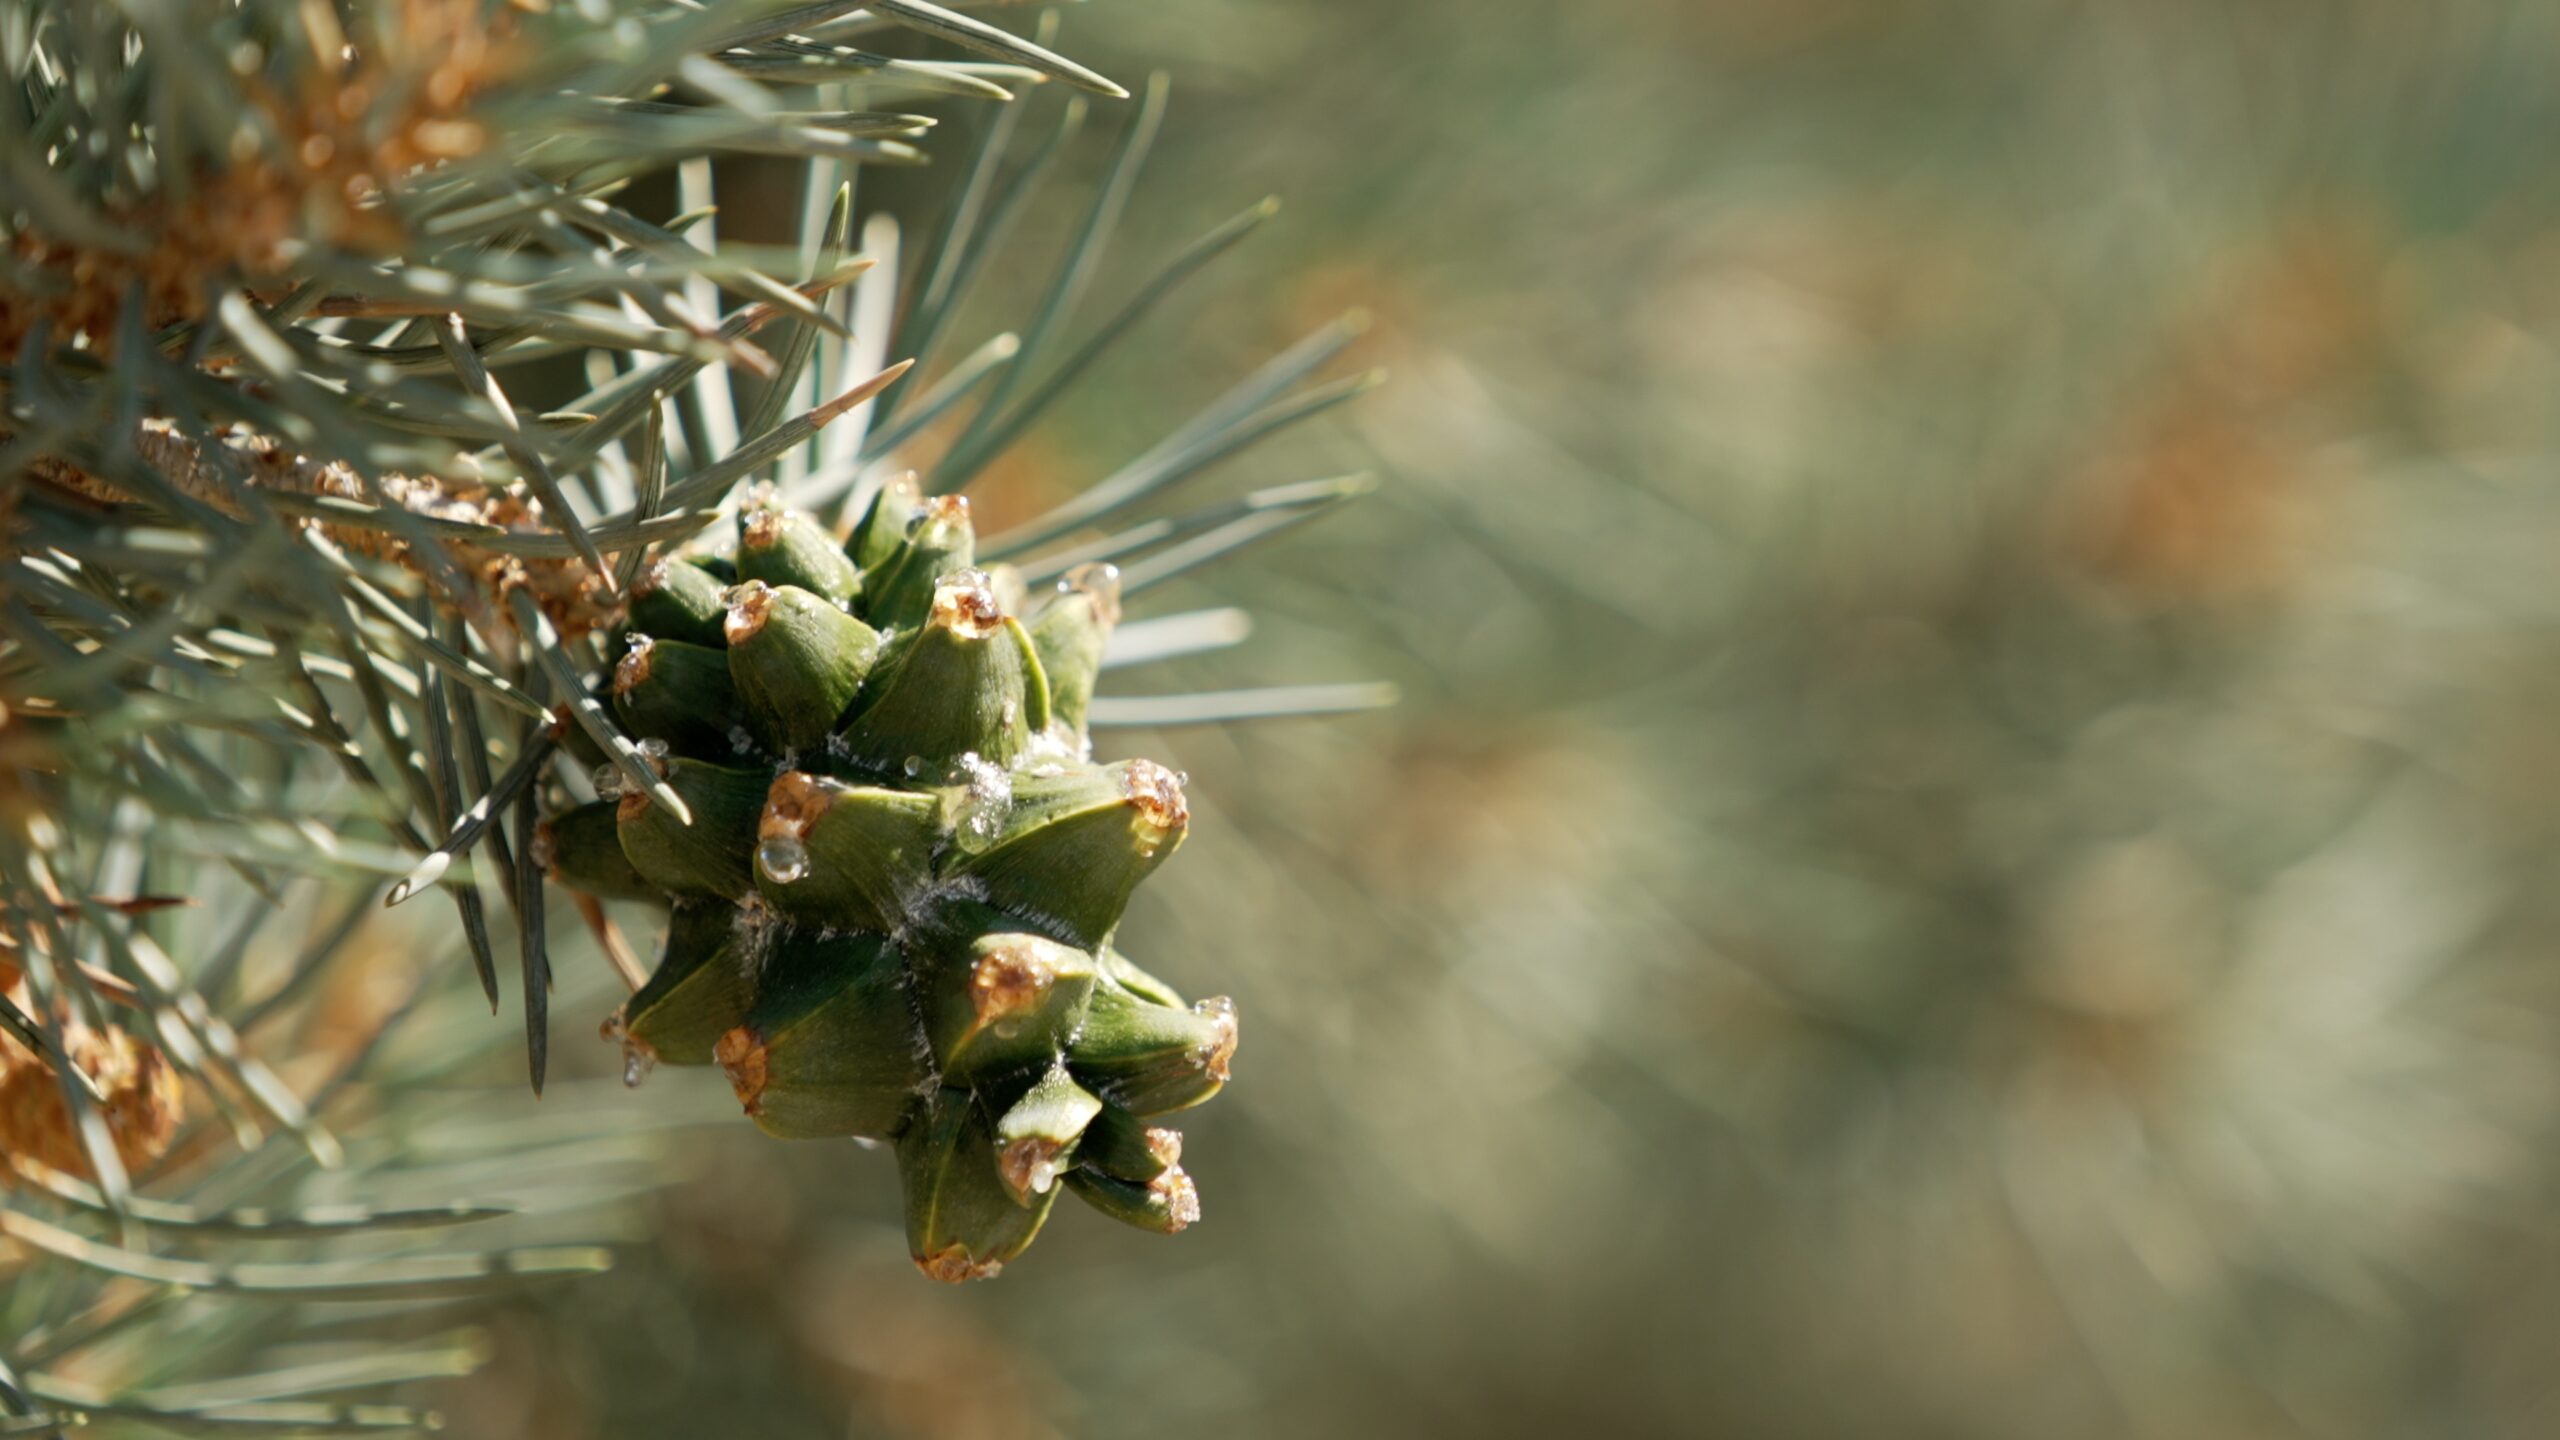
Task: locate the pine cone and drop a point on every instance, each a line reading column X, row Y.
column 893, row 910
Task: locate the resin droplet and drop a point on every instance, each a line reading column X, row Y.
column 1099, row 579
column 914, row 766
column 653, row 750
column 607, row 778
column 782, row 859
column 637, row 1059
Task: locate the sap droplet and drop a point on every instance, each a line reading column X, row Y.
column 914, row 766
column 1213, row 1053
column 1099, row 579
column 1007, row 1029
column 782, row 859
column 607, row 779
column 1044, row 1173
column 636, row 1065
column 741, row 740
column 653, row 750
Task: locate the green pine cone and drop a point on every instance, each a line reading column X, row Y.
column 893, row 911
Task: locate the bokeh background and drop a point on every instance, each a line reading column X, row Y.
column 1970, row 846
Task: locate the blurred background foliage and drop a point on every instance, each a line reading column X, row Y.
column 1969, row 851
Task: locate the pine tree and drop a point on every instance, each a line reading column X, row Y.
column 405, row 501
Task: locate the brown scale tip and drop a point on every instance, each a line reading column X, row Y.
column 616, row 1029
column 632, row 671
column 1029, row 1166
column 652, row 577
column 741, row 1052
column 632, row 805
column 966, row 605
column 1157, row 792
column 947, row 510
column 953, row 1264
column 749, row 607
column 1010, row 980
column 1219, row 1050
column 764, row 527
column 793, row 805
column 1181, row 1199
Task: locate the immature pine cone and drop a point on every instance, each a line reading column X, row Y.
column 893, row 911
